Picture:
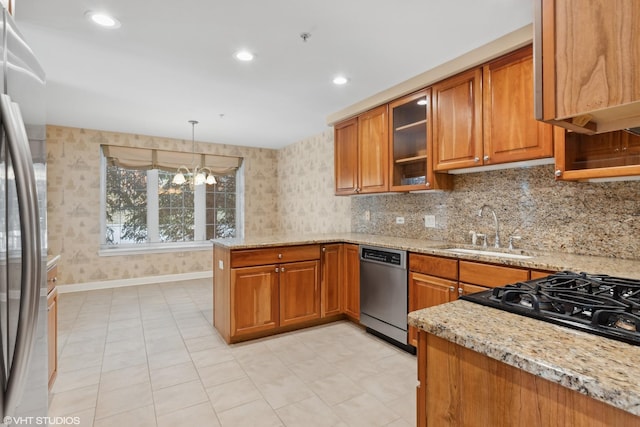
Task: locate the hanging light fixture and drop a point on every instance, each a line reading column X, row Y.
column 198, row 176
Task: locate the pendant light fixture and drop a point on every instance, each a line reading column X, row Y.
column 198, row 177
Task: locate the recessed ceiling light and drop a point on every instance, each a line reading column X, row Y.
column 340, row 80
column 102, row 19
column 244, row 55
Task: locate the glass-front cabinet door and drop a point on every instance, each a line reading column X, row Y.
column 410, row 149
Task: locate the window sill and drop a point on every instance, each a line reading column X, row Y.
column 154, row 248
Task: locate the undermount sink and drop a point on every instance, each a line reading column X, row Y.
column 488, row 253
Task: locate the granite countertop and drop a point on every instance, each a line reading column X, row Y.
column 601, row 368
column 539, row 260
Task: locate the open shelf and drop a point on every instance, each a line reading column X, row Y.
column 411, row 125
column 414, row 159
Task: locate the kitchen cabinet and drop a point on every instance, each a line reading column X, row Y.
column 351, row 282
column 432, row 280
column 458, row 386
column 332, row 279
column 259, row 292
column 457, row 121
column 362, row 152
column 484, row 116
column 605, row 155
column 510, row 131
column 477, row 276
column 587, row 61
column 411, row 147
column 52, row 322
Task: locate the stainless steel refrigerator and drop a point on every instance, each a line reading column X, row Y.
column 23, row 230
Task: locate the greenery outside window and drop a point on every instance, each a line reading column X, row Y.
column 143, row 209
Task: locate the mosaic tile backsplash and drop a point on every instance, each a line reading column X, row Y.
column 574, row 217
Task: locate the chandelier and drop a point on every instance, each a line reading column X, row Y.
column 201, row 174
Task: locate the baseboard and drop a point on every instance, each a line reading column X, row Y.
column 147, row 280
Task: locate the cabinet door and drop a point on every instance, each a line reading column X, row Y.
column 490, row 275
column 457, row 121
column 427, row 291
column 52, row 319
column 373, row 151
column 332, row 260
column 346, row 157
column 299, row 292
column 511, row 132
column 352, row 281
column 254, row 299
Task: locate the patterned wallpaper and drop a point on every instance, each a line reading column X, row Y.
column 573, row 217
column 73, row 190
column 306, row 199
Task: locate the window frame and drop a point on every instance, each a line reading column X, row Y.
column 155, row 246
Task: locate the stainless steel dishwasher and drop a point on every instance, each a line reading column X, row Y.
column 383, row 292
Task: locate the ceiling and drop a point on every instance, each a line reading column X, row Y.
column 172, row 61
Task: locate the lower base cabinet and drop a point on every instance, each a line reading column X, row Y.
column 460, row 387
column 299, row 292
column 254, row 298
column 352, row 281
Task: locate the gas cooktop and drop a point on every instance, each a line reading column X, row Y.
column 600, row 304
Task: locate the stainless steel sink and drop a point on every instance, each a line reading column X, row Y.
column 488, row 253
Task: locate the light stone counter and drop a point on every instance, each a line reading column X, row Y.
column 539, row 260
column 601, row 368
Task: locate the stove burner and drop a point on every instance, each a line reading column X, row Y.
column 600, row 304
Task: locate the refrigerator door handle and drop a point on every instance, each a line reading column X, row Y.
column 18, row 144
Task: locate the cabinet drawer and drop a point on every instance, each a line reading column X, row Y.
column 251, row 257
column 434, row 266
column 490, row 275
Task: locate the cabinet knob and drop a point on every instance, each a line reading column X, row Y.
column 279, row 256
column 53, row 279
column 427, row 184
column 451, row 289
column 460, row 291
column 485, row 158
column 476, row 159
column 277, row 270
column 282, row 270
column 558, row 173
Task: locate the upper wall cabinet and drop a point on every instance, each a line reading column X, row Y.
column 587, row 62
column 410, row 145
column 362, row 153
column 457, row 121
column 511, row 133
column 490, row 123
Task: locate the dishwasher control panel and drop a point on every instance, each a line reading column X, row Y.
column 382, row 256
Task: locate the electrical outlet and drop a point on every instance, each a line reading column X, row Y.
column 430, row 221
column 399, row 220
column 367, row 215
column 220, row 264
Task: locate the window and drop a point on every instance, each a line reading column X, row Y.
column 144, row 209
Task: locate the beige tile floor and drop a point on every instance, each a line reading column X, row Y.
column 149, row 356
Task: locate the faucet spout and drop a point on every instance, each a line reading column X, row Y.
column 495, row 223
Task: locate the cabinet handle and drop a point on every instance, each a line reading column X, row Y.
column 558, row 173
column 460, row 291
column 427, row 184
column 324, row 249
column 476, row 159
column 277, row 270
column 485, row 158
column 451, row 288
column 282, row 270
column 279, row 256
column 53, row 279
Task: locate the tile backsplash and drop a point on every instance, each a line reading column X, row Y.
column 573, row 217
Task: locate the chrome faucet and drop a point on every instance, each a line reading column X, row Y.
column 495, row 221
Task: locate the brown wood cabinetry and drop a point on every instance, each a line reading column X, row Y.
column 362, row 153
column 490, row 275
column 604, row 155
column 52, row 322
column 332, row 279
column 433, row 280
column 511, row 133
column 410, row 146
column 458, row 386
column 587, row 61
column 258, row 292
column 493, row 125
column 457, row 121
column 299, row 292
column 352, row 281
